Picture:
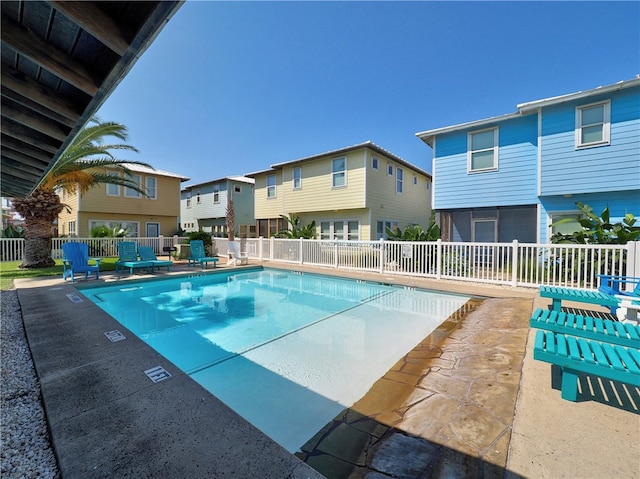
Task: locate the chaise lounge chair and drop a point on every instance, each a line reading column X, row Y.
column 76, row 260
column 146, row 254
column 235, row 257
column 610, row 294
column 199, row 255
column 128, row 257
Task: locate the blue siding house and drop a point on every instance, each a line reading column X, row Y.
column 512, row 176
column 203, row 206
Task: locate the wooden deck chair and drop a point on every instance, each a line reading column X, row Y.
column 146, row 254
column 128, row 257
column 76, row 260
column 235, row 257
column 199, row 255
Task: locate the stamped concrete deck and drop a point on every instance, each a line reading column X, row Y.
column 468, row 401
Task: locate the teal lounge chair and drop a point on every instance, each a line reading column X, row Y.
column 76, row 260
column 146, row 254
column 128, row 257
column 199, row 255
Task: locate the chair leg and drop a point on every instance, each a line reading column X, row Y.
column 569, row 385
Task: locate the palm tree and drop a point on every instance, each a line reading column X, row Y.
column 83, row 165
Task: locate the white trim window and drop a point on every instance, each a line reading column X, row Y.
column 152, row 187
column 198, row 197
column 188, row 199
column 131, row 227
column 390, row 169
column 399, row 179
column 415, row 180
column 271, row 186
column 237, row 189
column 297, row 178
column 382, row 225
column 72, row 228
column 130, row 192
column 216, row 194
column 113, row 190
column 593, row 124
column 339, row 172
column 374, row 163
column 340, row 230
column 483, row 150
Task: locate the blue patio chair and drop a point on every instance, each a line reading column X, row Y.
column 128, row 257
column 146, row 254
column 76, row 260
column 199, row 255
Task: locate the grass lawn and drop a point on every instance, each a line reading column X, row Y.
column 9, row 271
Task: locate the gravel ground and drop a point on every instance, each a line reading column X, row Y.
column 24, row 439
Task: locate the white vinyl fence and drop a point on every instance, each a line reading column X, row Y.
column 513, row 264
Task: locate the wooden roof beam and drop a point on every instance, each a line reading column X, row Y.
column 38, row 154
column 47, row 56
column 48, row 99
column 26, row 135
column 94, row 21
column 35, row 122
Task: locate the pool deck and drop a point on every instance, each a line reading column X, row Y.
column 468, row 401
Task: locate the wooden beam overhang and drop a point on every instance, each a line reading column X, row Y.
column 60, row 61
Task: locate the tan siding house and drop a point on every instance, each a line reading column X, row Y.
column 352, row 193
column 112, row 206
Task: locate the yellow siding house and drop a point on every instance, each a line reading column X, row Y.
column 157, row 214
column 353, row 193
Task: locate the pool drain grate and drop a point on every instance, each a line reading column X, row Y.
column 114, row 335
column 75, row 298
column 157, row 374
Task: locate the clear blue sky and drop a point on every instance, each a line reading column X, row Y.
column 229, row 88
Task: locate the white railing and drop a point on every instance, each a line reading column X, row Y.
column 12, row 249
column 511, row 264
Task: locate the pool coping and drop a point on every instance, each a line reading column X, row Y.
column 107, row 418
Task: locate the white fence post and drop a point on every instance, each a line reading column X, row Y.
column 514, row 263
column 301, row 245
column 381, row 253
column 633, row 258
column 439, row 258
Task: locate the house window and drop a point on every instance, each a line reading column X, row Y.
column 374, row 163
column 381, row 228
column 390, row 170
column 340, row 230
column 130, row 192
column 216, row 194
column 415, row 180
column 72, row 228
column 339, row 172
column 399, row 178
column 237, row 189
column 152, row 190
column 113, row 190
column 569, row 226
column 129, row 228
column 198, row 197
column 297, row 178
column 483, row 150
column 271, row 186
column 189, row 199
column 593, row 125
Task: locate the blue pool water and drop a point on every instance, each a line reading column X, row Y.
column 287, row 351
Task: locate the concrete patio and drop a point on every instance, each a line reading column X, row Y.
column 467, row 401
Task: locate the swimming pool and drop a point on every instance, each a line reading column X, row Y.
column 287, row 351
